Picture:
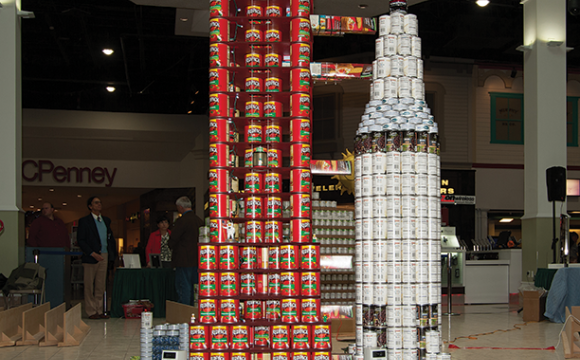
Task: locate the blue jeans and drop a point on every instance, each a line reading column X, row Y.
column 185, row 281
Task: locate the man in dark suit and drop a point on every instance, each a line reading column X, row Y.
column 97, row 243
column 183, row 243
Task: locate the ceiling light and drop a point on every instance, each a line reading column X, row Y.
column 51, row 189
column 32, row 206
column 79, row 196
column 189, row 112
column 108, row 52
column 482, row 3
column 39, row 199
column 506, row 220
column 111, row 88
column 363, row 6
column 554, row 43
column 184, row 19
column 523, row 48
column 64, row 204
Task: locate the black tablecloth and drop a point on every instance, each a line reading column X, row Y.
column 544, row 278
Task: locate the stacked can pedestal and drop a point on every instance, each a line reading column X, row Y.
column 397, row 202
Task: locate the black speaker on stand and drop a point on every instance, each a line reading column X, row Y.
column 556, row 182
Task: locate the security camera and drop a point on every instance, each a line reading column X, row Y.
column 574, row 7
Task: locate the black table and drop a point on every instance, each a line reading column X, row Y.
column 544, row 278
column 157, row 285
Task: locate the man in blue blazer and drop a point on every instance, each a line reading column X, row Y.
column 97, row 243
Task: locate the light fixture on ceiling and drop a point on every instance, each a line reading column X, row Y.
column 32, row 206
column 554, row 43
column 51, row 189
column 184, row 19
column 523, row 48
column 482, row 3
column 108, row 52
column 363, row 6
column 39, row 199
column 64, row 204
column 79, row 195
column 25, row 14
column 506, row 220
column 111, row 89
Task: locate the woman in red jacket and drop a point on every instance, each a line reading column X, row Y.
column 157, row 243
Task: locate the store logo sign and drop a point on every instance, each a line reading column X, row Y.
column 39, row 170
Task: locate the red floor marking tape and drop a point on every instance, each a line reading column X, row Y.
column 452, row 346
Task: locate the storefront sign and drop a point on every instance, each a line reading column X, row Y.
column 335, row 187
column 41, row 169
column 458, row 199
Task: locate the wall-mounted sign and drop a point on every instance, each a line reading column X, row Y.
column 458, row 199
column 42, row 169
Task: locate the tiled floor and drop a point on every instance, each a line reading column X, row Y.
column 119, row 338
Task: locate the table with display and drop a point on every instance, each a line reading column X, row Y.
column 156, row 285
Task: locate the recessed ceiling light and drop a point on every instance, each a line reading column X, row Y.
column 506, row 220
column 51, row 189
column 39, row 199
column 189, row 112
column 111, row 88
column 64, row 204
column 482, row 3
column 32, row 206
column 108, row 52
column 79, row 195
column 184, row 19
column 363, row 6
column 37, row 209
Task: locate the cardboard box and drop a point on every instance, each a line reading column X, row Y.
column 570, row 337
column 534, row 305
column 176, row 313
column 343, row 329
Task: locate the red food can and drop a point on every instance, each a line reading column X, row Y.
column 248, row 284
column 254, row 60
column 321, row 337
column 310, row 257
column 219, row 30
column 300, row 230
column 241, row 337
column 254, row 232
column 219, row 205
column 273, row 84
column 254, row 84
column 274, row 207
column 300, row 181
column 248, row 257
column 310, row 310
column 219, row 337
column 273, row 232
column 254, row 183
column 290, row 310
column 229, row 311
column 300, row 79
column 274, row 257
column 280, row 337
column 253, row 309
column 218, row 155
column 300, row 105
column 228, row 257
column 300, row 155
column 301, row 206
column 229, row 284
column 217, row 356
column 300, row 337
column 274, row 284
column 218, row 8
column 219, row 130
column 208, row 311
column 288, row 257
column 274, row 158
column 300, row 8
column 198, row 337
column 272, row 60
column 261, row 336
column 207, row 257
column 219, row 180
column 300, row 55
column 273, row 109
column 281, row 355
column 273, row 312
column 310, row 284
column 272, row 183
column 208, row 284
column 198, row 355
column 219, row 80
column 253, row 131
column 300, row 355
column 300, row 130
column 300, row 30
column 219, row 105
column 273, row 35
column 289, row 283
column 253, row 35
column 249, row 158
column 254, row 109
column 240, row 356
column 220, row 230
column 272, row 133
column 253, row 11
column 219, row 55
column 273, row 11
column 254, row 207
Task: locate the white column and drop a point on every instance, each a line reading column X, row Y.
column 12, row 238
column 544, row 122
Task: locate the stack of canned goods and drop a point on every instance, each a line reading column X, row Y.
column 146, row 344
column 397, row 203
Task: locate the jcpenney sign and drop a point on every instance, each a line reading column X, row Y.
column 42, row 169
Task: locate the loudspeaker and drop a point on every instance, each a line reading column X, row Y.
column 556, row 181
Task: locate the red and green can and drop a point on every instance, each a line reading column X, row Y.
column 300, row 130
column 229, row 311
column 219, row 337
column 253, row 35
column 300, row 55
column 300, row 337
column 198, row 337
column 254, row 60
column 241, row 337
column 289, row 256
column 301, row 205
column 273, row 84
column 300, row 230
column 274, row 207
column 219, row 155
column 228, row 257
column 273, row 232
column 248, row 257
column 254, row 84
column 300, row 181
column 321, row 337
column 310, row 284
column 208, row 284
column 229, row 282
column 253, row 309
column 272, row 133
column 254, row 182
column 289, row 284
column 300, row 155
column 219, row 130
column 254, row 109
column 207, row 257
column 300, row 8
column 273, row 35
column 219, row 30
column 310, row 257
column 300, row 105
column 254, row 231
column 300, row 30
column 247, row 283
column 219, row 180
column 253, row 131
column 254, row 207
column 274, row 158
column 273, row 109
column 219, row 105
column 272, row 60
column 208, row 311
column 272, row 183
column 218, row 230
column 290, row 310
column 219, row 80
column 219, row 8
column 310, row 310
column 273, row 310
column 274, row 284
column 219, row 205
column 219, row 55
column 262, row 336
column 280, row 337
column 300, row 79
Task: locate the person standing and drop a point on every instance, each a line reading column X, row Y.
column 183, row 243
column 48, row 230
column 158, row 243
column 95, row 238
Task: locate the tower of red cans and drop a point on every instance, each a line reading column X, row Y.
column 259, row 276
column 397, row 202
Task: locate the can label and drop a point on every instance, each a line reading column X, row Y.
column 310, row 310
column 253, row 207
column 273, row 310
column 274, row 284
column 300, row 356
column 274, row 207
column 280, row 356
column 208, row 284
column 218, row 8
column 273, row 232
column 219, row 55
column 254, row 11
column 253, row 60
column 207, row 311
column 248, row 283
column 248, row 158
column 300, row 105
column 300, row 155
column 253, row 182
column 273, row 84
column 280, row 337
column 274, row 258
column 253, row 35
column 272, row 109
column 229, row 311
column 273, row 132
column 310, row 284
column 219, row 337
column 253, row 309
column 289, row 284
column 218, row 230
column 261, row 336
column 254, row 109
column 300, row 80
column 218, row 29
column 273, row 11
column 271, row 60
column 228, row 257
column 254, row 232
column 253, row 84
column 218, row 80
column 288, row 254
column 300, row 30
column 248, row 257
column 272, row 183
column 301, row 337
column 207, row 257
column 300, row 180
column 300, row 230
column 301, row 8
column 300, row 130
column 274, row 158
column 198, row 337
column 253, row 132
column 273, row 35
column 309, row 257
column 228, row 284
column 321, row 334
column 240, row 356
column 240, row 337
column 217, row 356
column 301, row 205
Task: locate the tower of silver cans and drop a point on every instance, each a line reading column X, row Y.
column 397, row 202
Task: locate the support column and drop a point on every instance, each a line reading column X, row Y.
column 12, row 237
column 544, row 123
